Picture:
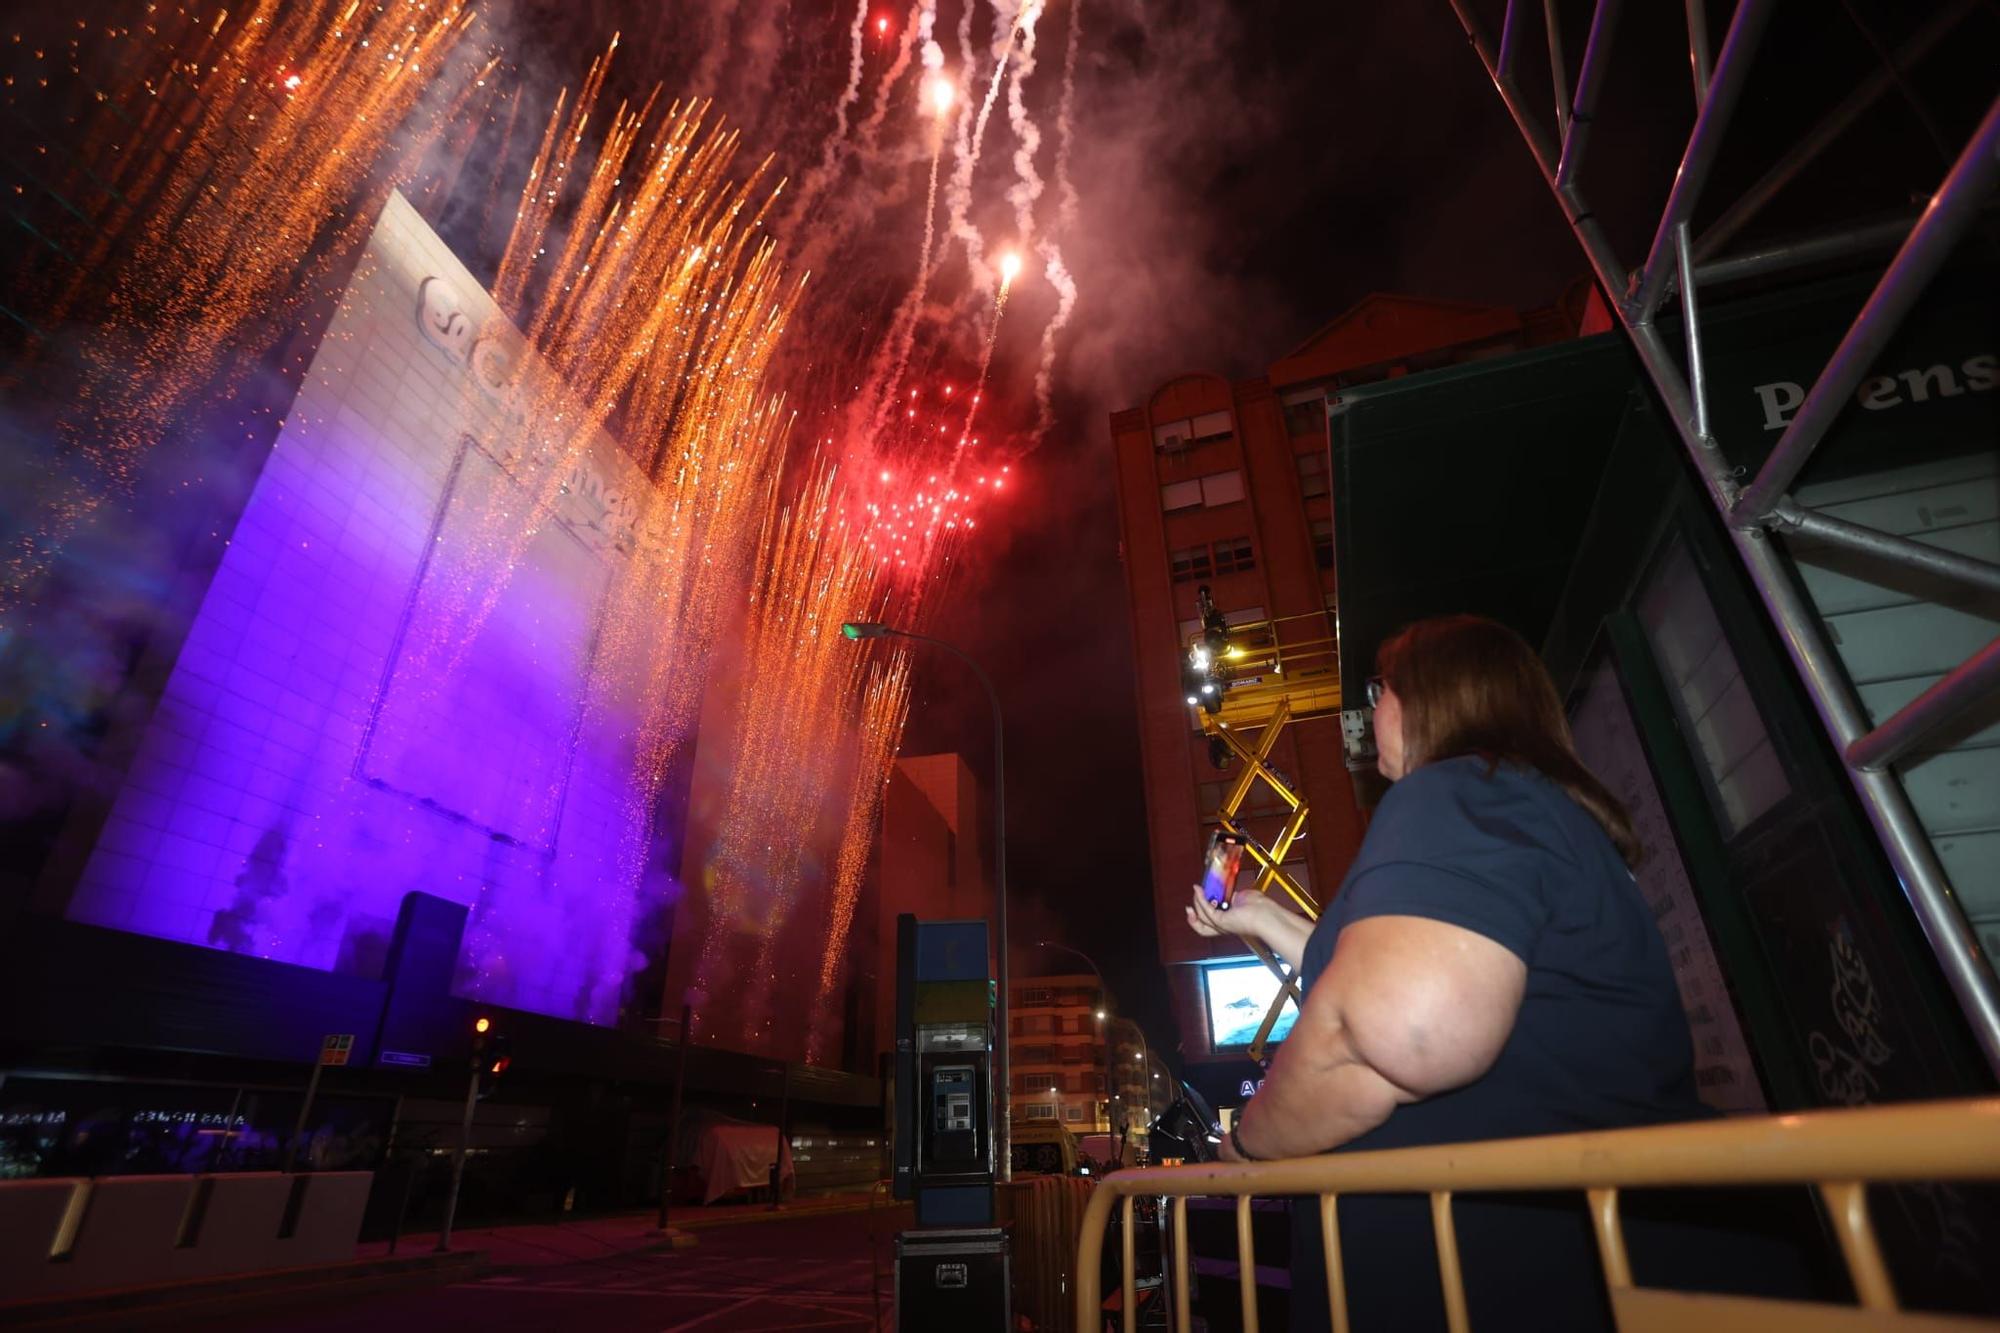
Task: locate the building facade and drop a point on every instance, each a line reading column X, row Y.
column 931, row 863
column 1226, row 485
column 1059, row 1051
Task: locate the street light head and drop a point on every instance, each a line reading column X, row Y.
column 865, row 629
column 1100, row 1013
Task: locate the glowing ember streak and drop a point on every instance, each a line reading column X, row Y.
column 645, row 293
column 189, row 147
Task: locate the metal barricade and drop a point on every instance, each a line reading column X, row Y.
column 1839, row 1152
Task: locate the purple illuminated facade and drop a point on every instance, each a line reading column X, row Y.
column 325, row 744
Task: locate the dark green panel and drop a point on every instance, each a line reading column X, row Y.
column 1465, row 489
column 1939, row 372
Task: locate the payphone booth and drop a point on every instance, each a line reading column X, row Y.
column 953, row 1269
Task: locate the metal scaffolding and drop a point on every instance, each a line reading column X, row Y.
column 1762, row 509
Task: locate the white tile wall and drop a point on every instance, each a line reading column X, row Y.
column 1898, row 633
column 282, row 800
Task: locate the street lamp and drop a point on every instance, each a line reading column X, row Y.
column 872, row 629
column 1146, row 1051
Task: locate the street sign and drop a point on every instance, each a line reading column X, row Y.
column 334, row 1048
column 407, row 1059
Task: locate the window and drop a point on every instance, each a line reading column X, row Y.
column 1190, row 563
column 1212, row 426
column 1312, row 473
column 1305, row 415
column 1033, row 995
column 1221, row 488
column 1174, row 436
column 1233, row 554
column 1072, row 1113
column 1178, row 495
column 1323, row 542
column 1217, row 488
column 1039, row 1111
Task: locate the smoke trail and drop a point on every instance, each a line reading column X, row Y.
column 716, row 46
column 958, row 195
column 986, row 357
column 885, row 375
column 1053, row 267
column 836, row 146
column 903, row 327
column 834, row 229
column 1026, row 190
column 916, row 33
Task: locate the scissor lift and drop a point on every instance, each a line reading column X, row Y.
column 1249, row 682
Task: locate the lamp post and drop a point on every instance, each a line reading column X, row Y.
column 869, row 629
column 1145, row 1049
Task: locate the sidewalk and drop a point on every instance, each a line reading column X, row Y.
column 541, row 1244
column 475, row 1252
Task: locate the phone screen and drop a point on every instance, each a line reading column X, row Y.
column 1225, row 857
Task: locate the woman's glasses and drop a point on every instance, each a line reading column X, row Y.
column 1377, row 687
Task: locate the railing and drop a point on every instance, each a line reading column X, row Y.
column 1840, row 1152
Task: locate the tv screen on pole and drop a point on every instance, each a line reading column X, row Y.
column 1239, row 994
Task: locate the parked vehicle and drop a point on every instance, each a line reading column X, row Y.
column 1043, row 1148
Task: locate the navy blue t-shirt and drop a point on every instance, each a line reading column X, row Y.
column 1600, row 1041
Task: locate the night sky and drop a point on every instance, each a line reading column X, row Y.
column 1286, row 160
column 1318, row 156
column 1246, row 172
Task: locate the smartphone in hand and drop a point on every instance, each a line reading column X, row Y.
column 1225, row 858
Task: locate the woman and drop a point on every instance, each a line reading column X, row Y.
column 1488, row 970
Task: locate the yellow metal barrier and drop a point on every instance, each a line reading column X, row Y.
column 1840, row 1152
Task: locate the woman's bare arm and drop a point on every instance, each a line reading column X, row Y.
column 1408, row 1008
column 1254, row 916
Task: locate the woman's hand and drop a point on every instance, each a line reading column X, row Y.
column 1247, row 916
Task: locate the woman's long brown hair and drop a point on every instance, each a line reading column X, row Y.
column 1469, row 685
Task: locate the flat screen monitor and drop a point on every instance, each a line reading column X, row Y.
column 1239, row 994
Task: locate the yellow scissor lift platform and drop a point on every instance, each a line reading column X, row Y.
column 1249, row 681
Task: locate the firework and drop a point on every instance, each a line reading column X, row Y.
column 285, row 115
column 645, row 307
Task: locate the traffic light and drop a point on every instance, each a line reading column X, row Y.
column 492, row 1053
column 498, row 1058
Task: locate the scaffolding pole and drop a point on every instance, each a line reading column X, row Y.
column 1945, row 221
column 1881, row 795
